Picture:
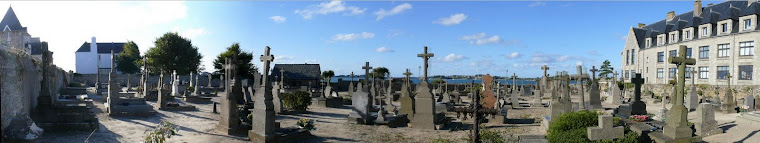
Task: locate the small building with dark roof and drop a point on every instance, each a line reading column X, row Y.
column 94, row 56
column 721, row 37
column 297, row 75
column 14, row 36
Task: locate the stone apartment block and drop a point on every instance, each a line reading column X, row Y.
column 721, row 37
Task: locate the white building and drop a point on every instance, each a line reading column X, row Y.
column 721, row 37
column 91, row 56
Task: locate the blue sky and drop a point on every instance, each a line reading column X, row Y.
column 466, row 37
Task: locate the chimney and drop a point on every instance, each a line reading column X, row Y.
column 697, row 8
column 671, row 15
column 93, row 46
column 641, row 25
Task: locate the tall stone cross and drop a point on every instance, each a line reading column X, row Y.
column 352, row 77
column 477, row 112
column 728, row 76
column 262, row 129
column 425, row 56
column 638, row 106
column 693, row 76
column 407, row 74
column 545, row 68
column 282, row 78
column 366, row 68
column 676, row 126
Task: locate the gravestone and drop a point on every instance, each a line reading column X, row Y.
column 728, row 105
column 351, row 87
column 489, row 101
column 749, row 101
column 638, row 107
column 228, row 120
column 544, row 78
column 209, row 80
column 263, row 125
column 514, row 98
column 676, row 128
column 361, row 101
column 113, row 88
column 446, row 96
column 605, row 130
column 757, row 99
column 424, row 106
column 663, row 112
column 616, row 93
column 594, row 98
column 175, row 84
column 537, row 96
column 197, row 86
column 582, row 94
column 692, row 100
column 406, row 99
column 276, row 100
column 705, row 124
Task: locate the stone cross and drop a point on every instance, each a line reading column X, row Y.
column 282, row 79
column 476, row 111
column 605, row 130
column 263, row 126
column 489, row 100
column 425, row 56
column 580, row 79
column 366, row 68
column 676, row 126
column 693, row 76
column 638, row 106
column 593, row 73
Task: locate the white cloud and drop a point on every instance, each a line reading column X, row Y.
column 328, row 8
column 579, row 63
column 311, row 61
column 513, row 55
column 353, row 36
column 537, row 4
column 453, row 58
column 108, row 21
column 384, row 49
column 454, row 19
column 283, row 60
column 382, row 13
column 278, row 19
column 483, row 38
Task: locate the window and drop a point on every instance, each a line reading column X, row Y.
column 747, row 24
column 722, row 72
column 671, row 72
column 688, row 72
column 725, row 27
column 673, row 53
column 659, row 72
column 672, row 38
column 626, row 74
column 747, row 48
column 659, row 41
column 723, row 50
column 704, row 31
column 688, row 34
column 704, row 72
column 660, row 56
column 745, row 72
column 633, row 55
column 627, row 58
column 688, row 52
column 649, row 43
column 704, row 52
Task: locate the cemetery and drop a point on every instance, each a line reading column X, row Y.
column 177, row 92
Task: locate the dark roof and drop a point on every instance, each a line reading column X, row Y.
column 710, row 14
column 11, row 21
column 298, row 71
column 102, row 47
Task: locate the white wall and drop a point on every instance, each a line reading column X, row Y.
column 85, row 63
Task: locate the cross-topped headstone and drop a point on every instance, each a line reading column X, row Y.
column 638, row 107
column 282, row 78
column 425, row 56
column 693, row 76
column 676, row 127
column 262, row 129
column 605, row 130
column 267, row 59
column 407, row 73
column 545, row 68
column 488, row 99
column 728, row 77
column 366, row 68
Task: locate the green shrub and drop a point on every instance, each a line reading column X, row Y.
column 162, row 132
column 298, row 100
column 571, row 127
column 630, row 137
column 491, row 136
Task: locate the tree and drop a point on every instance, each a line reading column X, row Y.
column 379, row 72
column 327, row 75
column 173, row 52
column 127, row 60
column 242, row 61
column 606, row 69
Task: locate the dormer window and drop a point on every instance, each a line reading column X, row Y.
column 747, row 24
column 704, row 31
column 724, row 27
column 687, row 34
column 648, row 43
column 672, row 38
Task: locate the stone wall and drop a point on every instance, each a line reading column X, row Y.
column 19, row 83
column 707, row 90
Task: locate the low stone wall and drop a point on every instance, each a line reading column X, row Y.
column 90, row 79
column 706, row 90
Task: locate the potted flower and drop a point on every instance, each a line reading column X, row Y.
column 744, row 108
column 639, row 118
column 306, row 123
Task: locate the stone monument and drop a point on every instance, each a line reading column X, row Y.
column 605, row 130
column 424, row 106
column 406, row 99
column 594, row 98
column 361, row 101
column 692, row 100
column 705, row 124
column 263, row 126
column 728, row 104
column 676, row 128
column 638, row 107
